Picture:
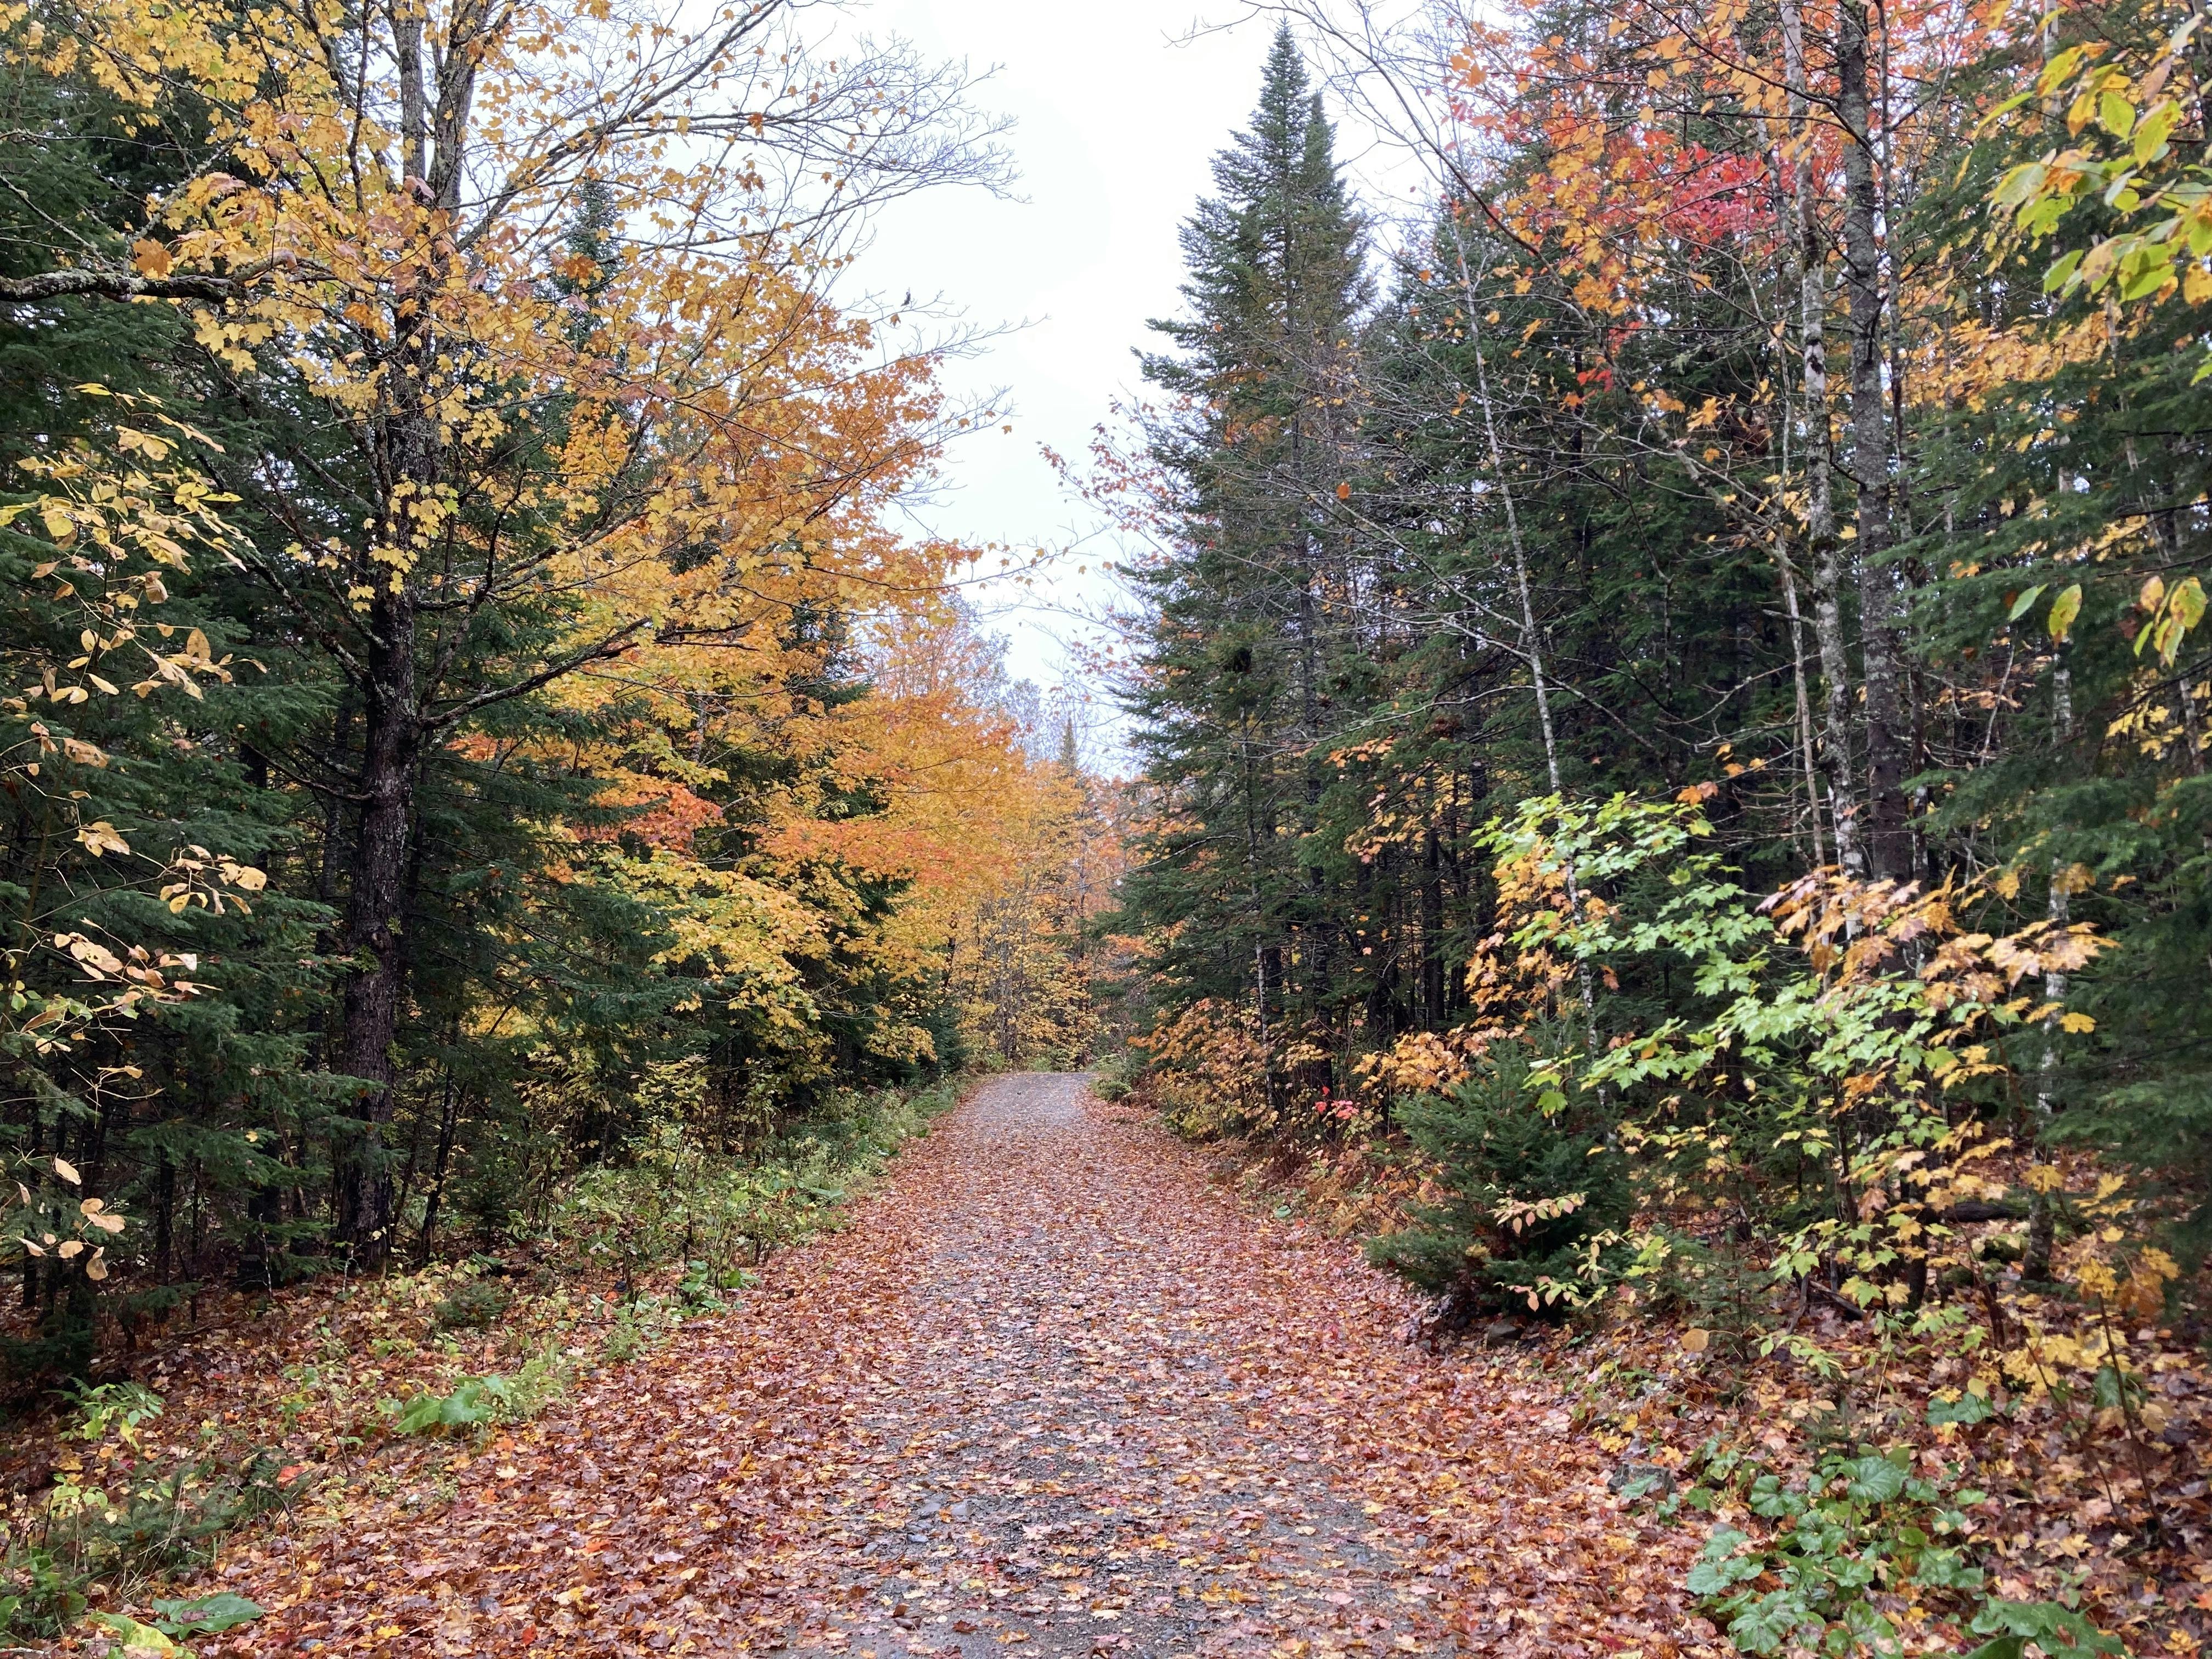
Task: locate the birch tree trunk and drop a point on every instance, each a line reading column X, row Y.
column 1824, row 546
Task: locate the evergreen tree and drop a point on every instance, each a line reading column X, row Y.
column 1249, row 606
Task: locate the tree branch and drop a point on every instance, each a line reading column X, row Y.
column 112, row 285
column 613, row 646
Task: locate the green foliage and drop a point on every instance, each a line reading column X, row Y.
column 1537, row 1195
column 476, row 1305
column 1832, row 1041
column 1341, row 765
column 1721, row 1288
column 116, row 1409
column 176, row 865
column 2059, row 1633
column 474, row 1402
column 125, row 1514
column 1251, row 441
column 205, row 1615
column 131, row 1635
column 1117, row 1075
column 1860, row 1527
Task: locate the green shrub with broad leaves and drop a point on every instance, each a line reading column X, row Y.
column 182, row 1617
column 476, row 1402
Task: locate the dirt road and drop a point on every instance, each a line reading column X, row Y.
column 1049, row 1393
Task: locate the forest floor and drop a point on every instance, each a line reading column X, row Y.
column 1052, row 1391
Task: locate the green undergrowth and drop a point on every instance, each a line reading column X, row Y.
column 1843, row 1557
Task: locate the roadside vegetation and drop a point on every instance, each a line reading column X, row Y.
column 1672, row 710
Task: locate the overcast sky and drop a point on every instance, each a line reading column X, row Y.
column 1116, row 121
column 1119, row 110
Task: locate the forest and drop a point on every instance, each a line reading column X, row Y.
column 460, row 667
column 1660, row 801
column 1671, row 716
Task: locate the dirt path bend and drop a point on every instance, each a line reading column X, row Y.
column 1050, row 1394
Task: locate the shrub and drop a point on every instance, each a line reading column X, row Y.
column 1532, row 1191
column 1116, row 1078
column 120, row 1518
column 1717, row 1288
column 473, row 1402
column 477, row 1400
column 474, row 1306
column 671, row 1199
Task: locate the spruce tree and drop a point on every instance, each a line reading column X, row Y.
column 1257, row 432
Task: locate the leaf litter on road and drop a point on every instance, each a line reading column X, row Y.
column 1050, row 1391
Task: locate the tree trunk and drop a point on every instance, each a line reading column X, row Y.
column 2043, row 1221
column 1888, row 845
column 1434, row 1015
column 432, row 134
column 375, row 900
column 1824, row 546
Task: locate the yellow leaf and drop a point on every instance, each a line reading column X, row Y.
column 2063, row 610
column 67, row 1171
column 2076, row 1022
column 1697, row 1340
column 102, row 837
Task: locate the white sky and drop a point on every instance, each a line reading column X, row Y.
column 1116, row 123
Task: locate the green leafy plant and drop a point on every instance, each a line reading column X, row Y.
column 130, row 1516
column 1535, row 1195
column 2057, row 1633
column 704, row 1285
column 132, row 1638
column 475, row 1401
column 120, row 1409
column 205, row 1615
column 1116, row 1077
column 672, row 1199
column 1859, row 1527
column 198, row 1616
